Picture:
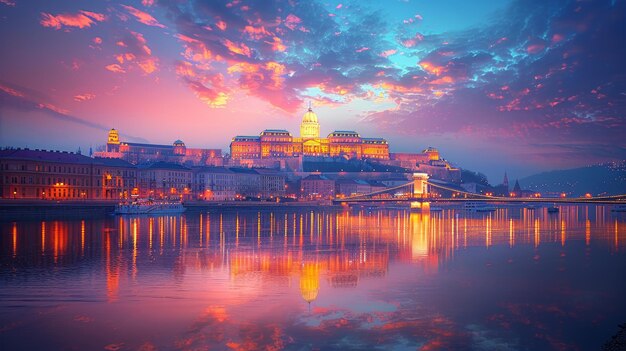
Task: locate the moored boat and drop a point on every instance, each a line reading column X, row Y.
column 149, row 207
column 478, row 207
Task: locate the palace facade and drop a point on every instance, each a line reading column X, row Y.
column 279, row 143
column 137, row 153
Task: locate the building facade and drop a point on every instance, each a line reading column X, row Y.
column 279, row 143
column 162, row 180
column 57, row 175
column 178, row 152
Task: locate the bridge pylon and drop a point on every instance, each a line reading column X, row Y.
column 420, row 191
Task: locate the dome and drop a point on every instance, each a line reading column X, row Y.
column 179, row 143
column 309, row 116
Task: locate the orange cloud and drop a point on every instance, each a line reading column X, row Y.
column 115, row 68
column 82, row 19
column 277, row 44
column 432, row 68
column 143, row 17
column 256, row 32
column 240, row 49
column 443, row 80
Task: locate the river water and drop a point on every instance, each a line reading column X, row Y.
column 301, row 279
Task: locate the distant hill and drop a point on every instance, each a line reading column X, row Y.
column 602, row 179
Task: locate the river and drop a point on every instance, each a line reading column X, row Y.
column 322, row 278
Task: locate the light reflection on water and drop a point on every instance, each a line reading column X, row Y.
column 301, row 279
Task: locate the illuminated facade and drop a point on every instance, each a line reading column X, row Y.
column 428, row 161
column 279, row 143
column 57, row 175
column 137, row 153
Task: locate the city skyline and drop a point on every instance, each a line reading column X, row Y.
column 521, row 86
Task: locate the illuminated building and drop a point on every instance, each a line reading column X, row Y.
column 56, row 175
column 224, row 184
column 428, row 161
column 161, row 180
column 137, row 153
column 317, row 186
column 279, row 143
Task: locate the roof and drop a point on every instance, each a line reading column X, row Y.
column 374, row 140
column 164, row 165
column 344, row 133
column 247, row 138
column 211, row 169
column 276, row 131
column 45, row 155
column 315, row 177
column 243, row 170
column 113, row 162
column 148, row 145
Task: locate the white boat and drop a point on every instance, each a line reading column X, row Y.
column 478, row 207
column 149, row 207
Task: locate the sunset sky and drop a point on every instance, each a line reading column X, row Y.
column 521, row 86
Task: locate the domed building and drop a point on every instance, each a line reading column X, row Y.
column 279, row 143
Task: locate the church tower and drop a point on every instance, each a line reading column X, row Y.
column 309, row 128
column 505, row 182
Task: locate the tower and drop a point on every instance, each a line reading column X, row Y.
column 505, row 182
column 310, row 127
column 113, row 142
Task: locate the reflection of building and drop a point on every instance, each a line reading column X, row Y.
column 279, row 143
column 310, row 281
column 41, row 174
column 143, row 153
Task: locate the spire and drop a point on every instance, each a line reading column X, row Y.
column 505, row 182
column 310, row 109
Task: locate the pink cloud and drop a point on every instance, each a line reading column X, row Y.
column 147, row 3
column 339, row 6
column 11, row 91
column 221, row 25
column 82, row 19
column 97, row 40
column 535, row 48
column 8, row 2
column 362, row 49
column 84, row 97
column 388, row 53
column 292, row 21
column 409, row 43
column 143, row 17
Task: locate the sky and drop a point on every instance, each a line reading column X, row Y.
column 518, row 86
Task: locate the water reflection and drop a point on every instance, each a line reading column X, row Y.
column 283, row 278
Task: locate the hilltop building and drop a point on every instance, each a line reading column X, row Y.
column 279, row 143
column 178, row 152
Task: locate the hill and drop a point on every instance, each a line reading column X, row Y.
column 601, row 179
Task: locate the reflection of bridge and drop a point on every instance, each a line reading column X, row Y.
column 419, row 192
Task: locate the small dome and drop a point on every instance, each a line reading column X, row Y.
column 309, row 116
column 179, row 143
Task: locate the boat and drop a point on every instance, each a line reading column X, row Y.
column 478, row 207
column 149, row 206
column 553, row 209
column 619, row 208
